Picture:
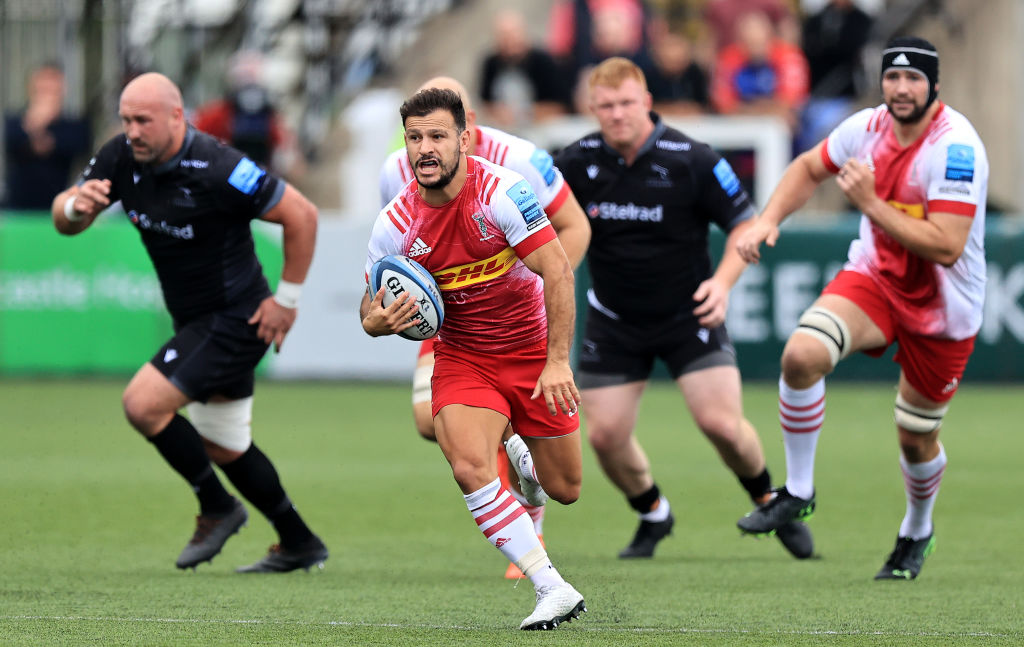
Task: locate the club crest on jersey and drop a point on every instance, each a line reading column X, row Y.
column 592, row 171
column 482, row 226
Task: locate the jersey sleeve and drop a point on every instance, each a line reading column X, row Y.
column 245, row 187
column 391, row 180
column 957, row 175
column 844, row 141
column 722, row 196
column 385, row 239
column 103, row 166
column 538, row 167
column 518, row 213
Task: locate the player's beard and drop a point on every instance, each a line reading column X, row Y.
column 915, row 115
column 446, row 176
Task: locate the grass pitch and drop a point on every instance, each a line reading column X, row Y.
column 92, row 520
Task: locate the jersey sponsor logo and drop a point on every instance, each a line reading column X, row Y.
column 667, row 145
column 481, row 224
column 526, row 201
column 194, row 164
column 960, row 163
column 461, row 276
column 542, row 161
column 590, row 143
column 246, row 176
column 912, row 210
column 419, row 248
column 143, row 221
column 628, row 211
column 727, row 178
column 592, row 171
column 954, row 189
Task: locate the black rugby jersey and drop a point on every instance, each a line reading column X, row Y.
column 193, row 214
column 650, row 221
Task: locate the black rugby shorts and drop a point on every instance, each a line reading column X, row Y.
column 615, row 352
column 213, row 355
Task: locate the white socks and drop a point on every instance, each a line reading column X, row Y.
column 922, row 484
column 509, row 528
column 801, row 414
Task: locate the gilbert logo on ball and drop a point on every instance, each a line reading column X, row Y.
column 400, row 275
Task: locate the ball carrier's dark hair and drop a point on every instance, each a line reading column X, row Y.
column 917, row 54
column 430, row 100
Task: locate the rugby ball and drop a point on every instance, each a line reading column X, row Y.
column 399, row 275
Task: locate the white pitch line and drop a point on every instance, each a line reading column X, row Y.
column 394, row 625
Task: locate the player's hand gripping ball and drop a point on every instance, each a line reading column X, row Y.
column 399, row 275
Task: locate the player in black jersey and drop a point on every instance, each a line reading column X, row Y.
column 651, row 194
column 192, row 200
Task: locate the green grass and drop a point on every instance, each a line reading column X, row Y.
column 91, row 521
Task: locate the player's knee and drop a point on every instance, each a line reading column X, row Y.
column 804, row 360
column 829, row 330
column 140, row 415
column 718, row 425
column 606, row 439
column 471, row 475
column 918, row 420
column 225, row 424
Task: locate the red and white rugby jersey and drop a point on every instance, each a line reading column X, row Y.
column 945, row 170
column 534, row 164
column 473, row 246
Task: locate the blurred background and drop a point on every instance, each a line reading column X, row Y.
column 311, row 89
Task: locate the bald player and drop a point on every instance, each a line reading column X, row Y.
column 570, row 224
column 192, row 200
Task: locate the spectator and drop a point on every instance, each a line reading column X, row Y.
column 520, row 83
column 833, row 39
column 760, row 74
column 677, row 83
column 41, row 143
column 723, row 17
column 611, row 29
column 247, row 120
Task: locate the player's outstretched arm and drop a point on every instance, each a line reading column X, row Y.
column 76, row 208
column 800, row 179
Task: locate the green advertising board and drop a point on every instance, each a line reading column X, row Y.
column 84, row 304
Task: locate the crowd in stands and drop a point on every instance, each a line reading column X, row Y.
column 797, row 60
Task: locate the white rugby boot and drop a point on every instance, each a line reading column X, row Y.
column 555, row 604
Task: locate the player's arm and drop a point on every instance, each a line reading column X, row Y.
column 75, row 208
column 297, row 216
column 940, row 238
column 713, row 294
column 556, row 381
column 795, row 188
column 573, row 229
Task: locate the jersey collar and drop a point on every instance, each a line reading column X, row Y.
column 175, row 161
column 659, row 130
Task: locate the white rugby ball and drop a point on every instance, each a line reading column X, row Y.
column 400, row 275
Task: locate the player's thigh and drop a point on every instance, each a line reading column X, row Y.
column 469, row 438
column 713, row 395
column 611, row 411
column 149, row 396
